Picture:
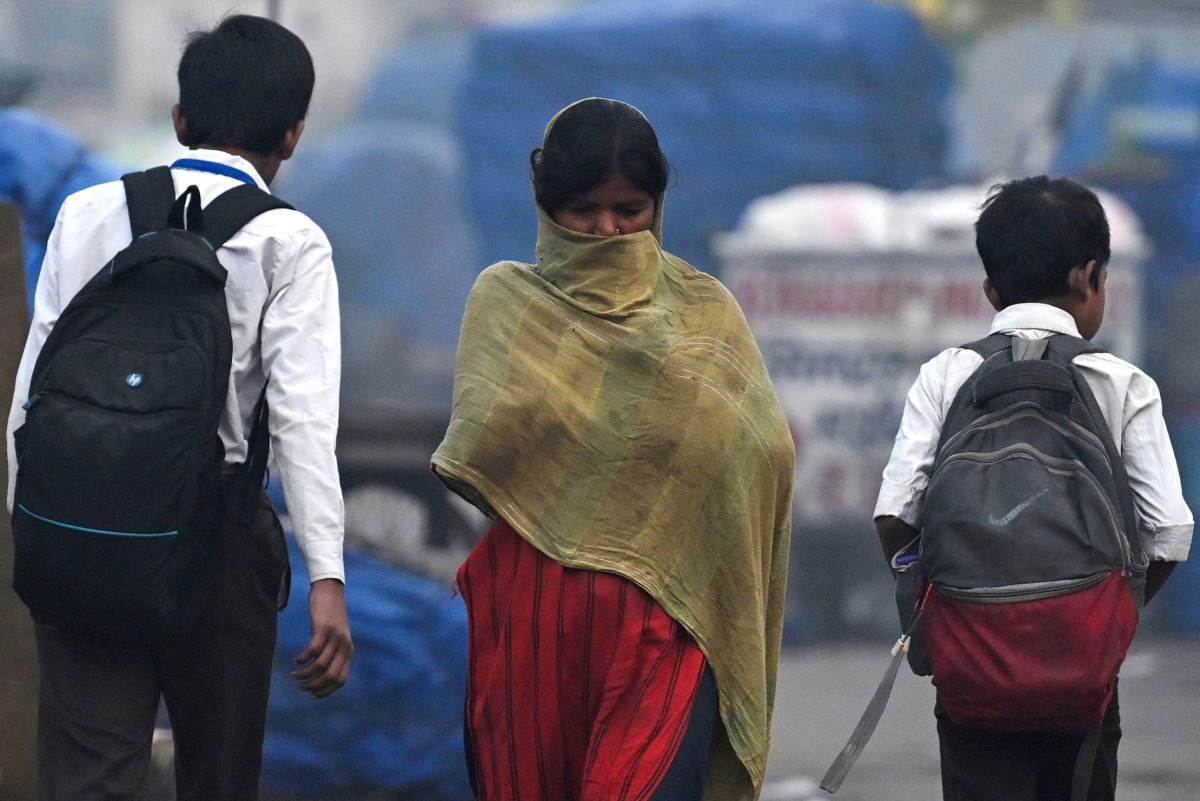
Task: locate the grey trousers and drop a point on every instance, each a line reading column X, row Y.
column 98, row 704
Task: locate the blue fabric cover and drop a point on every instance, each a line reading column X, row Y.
column 1138, row 135
column 1181, row 595
column 396, row 726
column 389, row 196
column 747, row 99
column 41, row 163
column 420, row 82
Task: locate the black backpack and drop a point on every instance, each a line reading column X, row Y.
column 120, row 500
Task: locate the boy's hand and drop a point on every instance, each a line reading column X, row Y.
column 894, row 534
column 325, row 663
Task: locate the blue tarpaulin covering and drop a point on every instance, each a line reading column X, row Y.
column 389, row 196
column 420, row 82
column 747, row 99
column 1181, row 595
column 396, row 726
column 40, row 164
column 1138, row 135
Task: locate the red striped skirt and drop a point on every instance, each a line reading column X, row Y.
column 580, row 686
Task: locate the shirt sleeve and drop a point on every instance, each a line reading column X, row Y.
column 907, row 472
column 1164, row 520
column 46, row 309
column 301, row 356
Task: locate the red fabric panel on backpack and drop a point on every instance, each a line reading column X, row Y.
column 1038, row 665
column 580, row 686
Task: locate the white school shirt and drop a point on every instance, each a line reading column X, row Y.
column 283, row 309
column 1128, row 399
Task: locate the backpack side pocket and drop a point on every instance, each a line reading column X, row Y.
column 910, row 588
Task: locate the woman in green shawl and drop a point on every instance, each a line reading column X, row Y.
column 613, row 417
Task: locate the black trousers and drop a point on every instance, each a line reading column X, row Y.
column 980, row 765
column 98, row 704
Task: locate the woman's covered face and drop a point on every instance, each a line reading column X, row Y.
column 613, row 207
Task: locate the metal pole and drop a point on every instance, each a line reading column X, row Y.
column 273, row 10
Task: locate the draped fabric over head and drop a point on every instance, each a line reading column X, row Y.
column 610, row 403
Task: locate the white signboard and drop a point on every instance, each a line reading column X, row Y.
column 844, row 335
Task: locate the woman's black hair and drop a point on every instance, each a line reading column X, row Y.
column 244, row 84
column 591, row 141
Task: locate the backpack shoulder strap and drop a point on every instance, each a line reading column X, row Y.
column 1062, row 349
column 223, row 218
column 232, row 209
column 1065, row 348
column 958, row 414
column 989, row 345
column 149, row 195
column 1070, row 347
column 254, row 469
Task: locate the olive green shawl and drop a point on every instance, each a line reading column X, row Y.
column 610, row 403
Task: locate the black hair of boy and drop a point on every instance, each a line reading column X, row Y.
column 590, row 142
column 244, row 84
column 1032, row 232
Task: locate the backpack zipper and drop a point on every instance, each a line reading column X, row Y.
column 1034, row 591
column 1026, row 409
column 89, row 403
column 105, row 532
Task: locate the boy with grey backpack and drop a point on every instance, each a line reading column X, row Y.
column 1033, row 501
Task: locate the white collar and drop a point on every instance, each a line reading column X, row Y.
column 1039, row 316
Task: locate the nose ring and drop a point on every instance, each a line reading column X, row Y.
column 618, row 231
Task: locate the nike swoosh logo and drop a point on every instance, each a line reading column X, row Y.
column 1021, row 507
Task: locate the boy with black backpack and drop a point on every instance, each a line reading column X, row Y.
column 1033, row 494
column 183, row 320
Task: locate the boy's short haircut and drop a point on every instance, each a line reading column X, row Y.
column 1032, row 232
column 244, row 84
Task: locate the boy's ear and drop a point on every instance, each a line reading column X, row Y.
column 992, row 295
column 290, row 140
column 1080, row 279
column 181, row 126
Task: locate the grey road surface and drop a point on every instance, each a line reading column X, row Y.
column 824, row 689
